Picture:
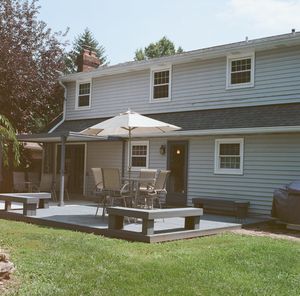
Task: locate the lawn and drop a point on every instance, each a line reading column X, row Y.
column 59, row 262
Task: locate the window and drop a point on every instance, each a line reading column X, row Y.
column 240, row 71
column 229, row 154
column 83, row 95
column 161, row 85
column 139, row 154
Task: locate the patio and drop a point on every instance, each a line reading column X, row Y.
column 80, row 216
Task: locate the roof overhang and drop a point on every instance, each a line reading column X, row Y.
column 231, row 131
column 57, row 137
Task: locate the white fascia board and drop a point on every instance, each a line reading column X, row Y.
column 233, row 131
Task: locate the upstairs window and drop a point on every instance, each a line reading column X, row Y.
column 160, row 85
column 83, row 95
column 240, row 71
column 229, row 155
column 139, row 154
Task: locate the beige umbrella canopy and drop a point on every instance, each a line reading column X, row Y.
column 128, row 124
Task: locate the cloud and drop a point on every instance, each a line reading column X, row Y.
column 263, row 15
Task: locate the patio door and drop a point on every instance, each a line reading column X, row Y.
column 74, row 166
column 178, row 164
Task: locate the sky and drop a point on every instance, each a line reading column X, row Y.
column 123, row 26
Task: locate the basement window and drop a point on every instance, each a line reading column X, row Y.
column 83, row 99
column 229, row 156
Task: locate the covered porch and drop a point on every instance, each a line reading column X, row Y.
column 68, row 156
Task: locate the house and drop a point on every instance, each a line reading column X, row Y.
column 238, row 105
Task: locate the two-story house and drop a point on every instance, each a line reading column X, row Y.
column 238, row 105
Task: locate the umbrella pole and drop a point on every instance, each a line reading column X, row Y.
column 129, row 154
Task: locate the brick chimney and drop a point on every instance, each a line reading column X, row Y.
column 87, row 61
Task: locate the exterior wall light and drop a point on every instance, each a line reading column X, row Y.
column 162, row 150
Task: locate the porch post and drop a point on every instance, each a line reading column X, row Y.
column 62, row 171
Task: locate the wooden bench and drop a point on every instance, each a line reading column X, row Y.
column 30, row 201
column 222, row 206
column 117, row 214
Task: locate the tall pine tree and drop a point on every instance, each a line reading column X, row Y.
column 84, row 41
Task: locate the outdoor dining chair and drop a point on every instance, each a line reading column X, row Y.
column 158, row 190
column 98, row 189
column 46, row 185
column 113, row 187
column 146, row 181
column 145, row 184
column 19, row 182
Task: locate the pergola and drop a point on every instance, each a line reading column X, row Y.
column 63, row 138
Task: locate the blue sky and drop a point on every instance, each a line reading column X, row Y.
column 123, row 26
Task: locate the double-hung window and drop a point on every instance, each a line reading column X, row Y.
column 83, row 99
column 139, row 154
column 240, row 71
column 160, row 85
column 229, row 154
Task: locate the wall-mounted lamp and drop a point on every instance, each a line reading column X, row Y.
column 162, row 150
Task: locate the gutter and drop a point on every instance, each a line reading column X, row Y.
column 64, row 108
column 231, row 131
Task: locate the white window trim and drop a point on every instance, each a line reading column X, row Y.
column 217, row 169
column 160, row 69
column 231, row 58
column 77, row 95
column 135, row 143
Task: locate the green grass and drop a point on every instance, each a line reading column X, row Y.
column 58, row 262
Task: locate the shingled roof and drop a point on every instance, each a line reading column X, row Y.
column 228, row 118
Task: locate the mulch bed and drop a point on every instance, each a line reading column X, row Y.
column 271, row 229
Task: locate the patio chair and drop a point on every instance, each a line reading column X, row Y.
column 34, row 178
column 112, row 185
column 145, row 185
column 19, row 184
column 158, row 190
column 46, row 185
column 98, row 189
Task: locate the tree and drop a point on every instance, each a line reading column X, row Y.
column 31, row 58
column 84, row 41
column 163, row 47
column 7, row 139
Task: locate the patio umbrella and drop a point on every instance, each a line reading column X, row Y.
column 128, row 124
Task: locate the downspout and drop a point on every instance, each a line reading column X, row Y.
column 64, row 108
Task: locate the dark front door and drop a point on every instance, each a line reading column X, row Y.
column 74, row 166
column 177, row 164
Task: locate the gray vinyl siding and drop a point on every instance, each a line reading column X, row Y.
column 270, row 161
column 197, row 85
column 99, row 155
column 156, row 160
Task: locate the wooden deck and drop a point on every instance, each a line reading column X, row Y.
column 80, row 216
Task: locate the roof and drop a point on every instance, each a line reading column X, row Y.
column 280, row 115
column 56, row 136
column 278, row 41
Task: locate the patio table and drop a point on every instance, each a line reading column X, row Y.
column 134, row 186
